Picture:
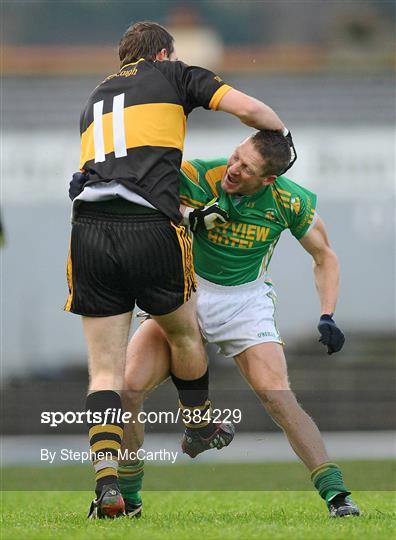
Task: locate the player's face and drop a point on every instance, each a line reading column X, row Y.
column 245, row 169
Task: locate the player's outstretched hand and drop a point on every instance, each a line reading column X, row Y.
column 330, row 334
column 77, row 184
column 207, row 217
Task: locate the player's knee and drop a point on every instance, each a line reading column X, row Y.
column 186, row 340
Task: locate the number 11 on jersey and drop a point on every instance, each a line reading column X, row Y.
column 118, row 129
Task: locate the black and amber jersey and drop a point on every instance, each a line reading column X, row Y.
column 133, row 127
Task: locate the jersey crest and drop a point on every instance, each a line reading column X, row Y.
column 295, row 204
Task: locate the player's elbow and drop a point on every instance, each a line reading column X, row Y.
column 326, row 257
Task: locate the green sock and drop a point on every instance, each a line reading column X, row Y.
column 327, row 478
column 130, row 478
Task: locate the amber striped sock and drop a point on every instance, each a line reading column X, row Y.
column 105, row 437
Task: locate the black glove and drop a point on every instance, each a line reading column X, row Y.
column 206, row 217
column 293, row 153
column 77, row 184
column 330, row 334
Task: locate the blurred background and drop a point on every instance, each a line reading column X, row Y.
column 328, row 69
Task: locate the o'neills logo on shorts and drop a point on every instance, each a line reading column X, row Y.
column 266, row 334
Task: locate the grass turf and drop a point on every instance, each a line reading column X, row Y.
column 42, row 515
column 371, row 475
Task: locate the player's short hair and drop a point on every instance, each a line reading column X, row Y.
column 144, row 40
column 274, row 149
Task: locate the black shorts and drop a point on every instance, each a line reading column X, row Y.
column 122, row 254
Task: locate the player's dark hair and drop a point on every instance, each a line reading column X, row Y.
column 144, row 40
column 274, row 149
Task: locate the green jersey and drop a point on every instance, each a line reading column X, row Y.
column 240, row 250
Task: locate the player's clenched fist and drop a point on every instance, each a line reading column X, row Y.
column 207, row 217
column 330, row 334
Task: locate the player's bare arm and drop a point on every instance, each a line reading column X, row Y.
column 325, row 266
column 250, row 111
column 327, row 279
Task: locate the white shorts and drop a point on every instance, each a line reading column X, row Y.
column 237, row 317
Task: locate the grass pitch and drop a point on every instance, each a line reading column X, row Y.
column 182, row 515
